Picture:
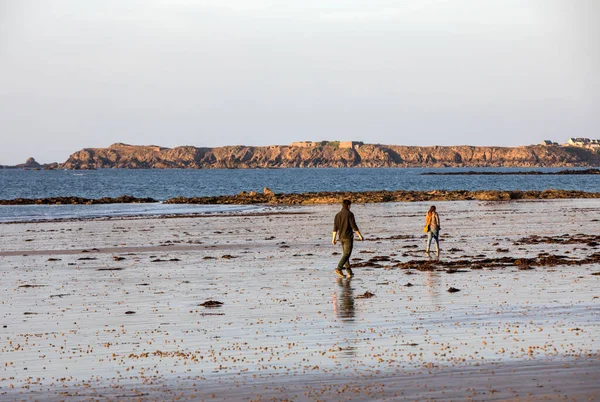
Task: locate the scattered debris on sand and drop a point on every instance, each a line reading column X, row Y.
column 211, row 303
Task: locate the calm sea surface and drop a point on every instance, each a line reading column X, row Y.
column 163, row 184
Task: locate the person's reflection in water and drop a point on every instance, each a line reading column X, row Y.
column 435, row 257
column 432, row 282
column 344, row 305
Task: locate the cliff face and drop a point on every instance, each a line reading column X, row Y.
column 328, row 155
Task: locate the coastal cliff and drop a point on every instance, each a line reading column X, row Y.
column 328, row 154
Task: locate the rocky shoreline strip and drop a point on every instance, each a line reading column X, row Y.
column 124, row 199
column 533, row 172
column 268, row 197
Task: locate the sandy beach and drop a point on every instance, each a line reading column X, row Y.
column 112, row 309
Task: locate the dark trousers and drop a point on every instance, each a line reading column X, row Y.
column 346, row 252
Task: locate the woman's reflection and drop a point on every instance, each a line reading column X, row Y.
column 432, row 283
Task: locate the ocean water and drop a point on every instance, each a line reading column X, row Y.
column 36, row 213
column 164, row 184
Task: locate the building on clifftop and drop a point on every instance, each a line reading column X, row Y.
column 584, row 143
column 339, row 144
column 350, row 144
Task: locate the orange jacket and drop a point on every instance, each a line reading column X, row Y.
column 432, row 220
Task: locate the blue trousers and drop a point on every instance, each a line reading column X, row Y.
column 435, row 236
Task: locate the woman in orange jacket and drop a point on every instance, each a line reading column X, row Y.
column 432, row 227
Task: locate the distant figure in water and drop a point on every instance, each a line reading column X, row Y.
column 432, row 228
column 345, row 225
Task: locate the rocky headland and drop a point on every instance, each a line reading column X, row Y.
column 328, row 154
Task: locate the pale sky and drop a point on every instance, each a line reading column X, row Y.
column 77, row 74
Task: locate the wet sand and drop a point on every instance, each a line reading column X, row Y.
column 112, row 309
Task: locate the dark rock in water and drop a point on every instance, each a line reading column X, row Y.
column 366, row 295
column 322, row 197
column 502, row 250
column 124, row 199
column 30, row 163
column 116, row 258
column 409, row 285
column 211, row 303
column 521, row 173
column 109, row 269
column 53, row 259
column 32, row 286
column 86, row 258
column 382, row 196
column 453, row 290
column 228, row 257
column 454, row 271
column 130, row 312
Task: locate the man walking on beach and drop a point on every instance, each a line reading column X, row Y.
column 345, row 225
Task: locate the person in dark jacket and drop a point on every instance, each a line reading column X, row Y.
column 345, row 226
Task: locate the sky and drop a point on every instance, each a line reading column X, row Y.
column 81, row 74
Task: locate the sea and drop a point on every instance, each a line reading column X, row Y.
column 162, row 184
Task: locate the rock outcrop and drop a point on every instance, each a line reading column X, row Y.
column 31, row 163
column 363, row 197
column 271, row 198
column 124, row 199
column 328, row 154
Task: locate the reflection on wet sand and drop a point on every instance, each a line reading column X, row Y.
column 432, row 281
column 345, row 311
column 433, row 255
column 344, row 306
